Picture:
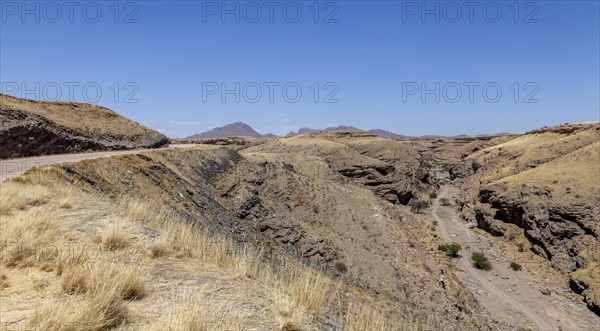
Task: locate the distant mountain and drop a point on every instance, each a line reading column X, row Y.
column 328, row 129
column 494, row 134
column 433, row 136
column 341, row 128
column 237, row 129
column 306, row 130
column 378, row 132
column 390, row 135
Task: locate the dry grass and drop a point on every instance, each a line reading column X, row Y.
column 291, row 317
column 365, row 317
column 99, row 311
column 159, row 249
column 115, row 237
column 97, row 277
column 187, row 314
column 308, row 287
column 94, row 288
column 27, row 237
column 16, row 197
column 66, row 203
column 138, row 210
column 3, row 281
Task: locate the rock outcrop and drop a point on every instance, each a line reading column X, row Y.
column 546, row 183
column 30, row 128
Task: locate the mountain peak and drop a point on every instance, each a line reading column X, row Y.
column 236, row 129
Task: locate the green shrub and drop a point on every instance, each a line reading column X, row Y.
column 480, row 261
column 515, row 266
column 418, row 206
column 521, row 247
column 445, row 202
column 433, row 195
column 450, row 249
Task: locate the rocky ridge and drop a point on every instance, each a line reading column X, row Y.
column 30, row 127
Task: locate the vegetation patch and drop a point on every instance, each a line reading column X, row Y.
column 480, row 261
column 451, row 250
column 515, row 266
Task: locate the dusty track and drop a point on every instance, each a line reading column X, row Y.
column 13, row 167
column 508, row 296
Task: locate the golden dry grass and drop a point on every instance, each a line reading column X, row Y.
column 365, row 317
column 13, row 198
column 115, row 236
column 99, row 311
column 97, row 287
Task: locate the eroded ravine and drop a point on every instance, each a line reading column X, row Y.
column 507, row 295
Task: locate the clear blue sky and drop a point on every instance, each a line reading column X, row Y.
column 373, row 53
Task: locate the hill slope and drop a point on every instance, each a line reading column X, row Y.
column 545, row 185
column 311, row 231
column 30, row 127
column 237, row 129
column 221, row 236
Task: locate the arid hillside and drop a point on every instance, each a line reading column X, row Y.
column 267, row 237
column 30, row 127
column 317, row 231
column 544, row 185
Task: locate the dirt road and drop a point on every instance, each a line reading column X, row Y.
column 13, row 167
column 511, row 297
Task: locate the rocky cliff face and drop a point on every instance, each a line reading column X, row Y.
column 546, row 183
column 391, row 170
column 558, row 231
column 29, row 128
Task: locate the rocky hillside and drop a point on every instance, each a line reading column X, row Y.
column 30, row 127
column 322, row 200
column 543, row 185
column 311, row 230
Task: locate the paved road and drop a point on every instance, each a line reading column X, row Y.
column 508, row 298
column 13, row 167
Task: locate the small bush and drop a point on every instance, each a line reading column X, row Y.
column 433, row 195
column 515, row 266
column 445, row 202
column 480, row 261
column 3, row 282
column 74, row 281
column 159, row 250
column 450, row 249
column 418, row 206
column 341, row 267
column 521, row 247
column 66, row 204
column 115, row 238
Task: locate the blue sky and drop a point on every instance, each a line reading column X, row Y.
column 363, row 63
